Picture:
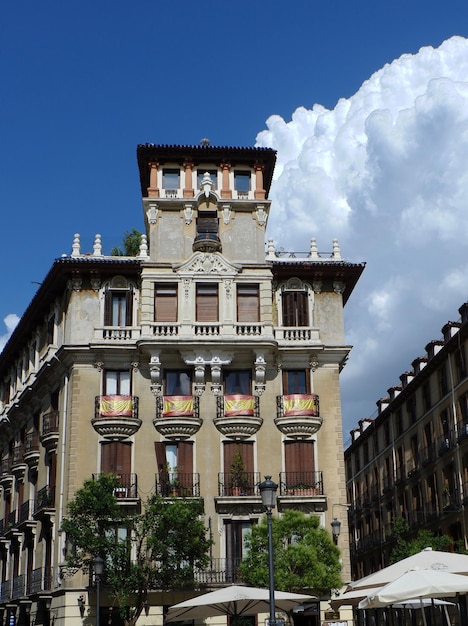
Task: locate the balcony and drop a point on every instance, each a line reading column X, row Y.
column 297, row 415
column 220, row 572
column 25, row 515
column 177, row 417
column 116, row 416
column 297, row 335
column 44, row 504
column 32, row 451
column 238, row 493
column 6, row 475
column 18, row 466
column 428, row 454
column 126, row 490
column 50, row 431
column 445, row 444
column 41, row 579
column 300, row 484
column 178, row 484
column 238, row 416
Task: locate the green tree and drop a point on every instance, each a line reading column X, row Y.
column 131, row 244
column 160, row 548
column 305, row 556
column 424, row 539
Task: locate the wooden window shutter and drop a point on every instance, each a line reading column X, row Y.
column 129, row 308
column 299, row 456
column 116, row 457
column 288, row 309
column 108, row 308
column 165, row 303
column 302, row 309
column 185, row 457
column 246, row 451
column 207, row 302
column 248, row 303
column 160, row 451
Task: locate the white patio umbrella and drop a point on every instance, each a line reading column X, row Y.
column 234, row 601
column 417, row 584
column 426, row 559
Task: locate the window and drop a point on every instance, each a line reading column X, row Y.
column 207, row 224
column 207, row 302
column 242, row 180
column 237, row 381
column 117, row 383
column 171, row 178
column 116, row 458
column 248, row 303
column 165, row 302
column 295, row 308
column 296, row 381
column 213, row 175
column 118, row 308
column 177, row 383
column 426, row 396
column 443, row 385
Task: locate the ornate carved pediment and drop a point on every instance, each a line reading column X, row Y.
column 207, row 263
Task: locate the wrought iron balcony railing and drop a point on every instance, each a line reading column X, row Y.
column 178, row 484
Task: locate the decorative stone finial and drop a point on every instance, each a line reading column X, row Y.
column 76, row 245
column 97, row 248
column 143, row 247
column 336, row 250
column 313, row 249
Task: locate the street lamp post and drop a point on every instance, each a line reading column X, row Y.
column 98, row 570
column 268, row 493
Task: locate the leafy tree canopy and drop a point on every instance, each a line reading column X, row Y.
column 305, row 556
column 424, row 539
column 131, row 244
column 160, row 548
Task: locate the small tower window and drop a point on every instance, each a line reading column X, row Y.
column 242, row 180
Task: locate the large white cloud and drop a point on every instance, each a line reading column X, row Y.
column 386, row 172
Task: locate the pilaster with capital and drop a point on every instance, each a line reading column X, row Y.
column 225, row 187
column 153, row 191
column 188, row 189
column 259, row 193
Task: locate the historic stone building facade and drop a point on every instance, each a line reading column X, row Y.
column 194, row 369
column 411, row 461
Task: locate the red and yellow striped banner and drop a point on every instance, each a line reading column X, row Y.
column 239, row 405
column 300, row 404
column 177, row 405
column 116, row 406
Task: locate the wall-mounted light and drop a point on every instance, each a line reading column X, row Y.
column 336, row 528
column 81, row 604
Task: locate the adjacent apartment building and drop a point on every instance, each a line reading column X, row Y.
column 411, row 461
column 203, row 348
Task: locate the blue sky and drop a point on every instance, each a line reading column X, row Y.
column 82, row 83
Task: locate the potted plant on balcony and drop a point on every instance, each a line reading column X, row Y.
column 239, row 483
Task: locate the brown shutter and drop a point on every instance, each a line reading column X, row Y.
column 165, row 303
column 185, row 457
column 302, row 309
column 108, row 308
column 116, row 457
column 288, row 309
column 248, row 303
column 129, row 308
column 207, row 303
column 299, row 456
column 246, row 450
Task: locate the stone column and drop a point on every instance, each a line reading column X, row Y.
column 188, row 189
column 226, row 191
column 153, row 191
column 259, row 193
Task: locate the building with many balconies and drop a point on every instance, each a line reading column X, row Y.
column 193, row 369
column 411, row 461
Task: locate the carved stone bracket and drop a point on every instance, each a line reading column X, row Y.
column 155, row 373
column 152, row 213
column 260, row 370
